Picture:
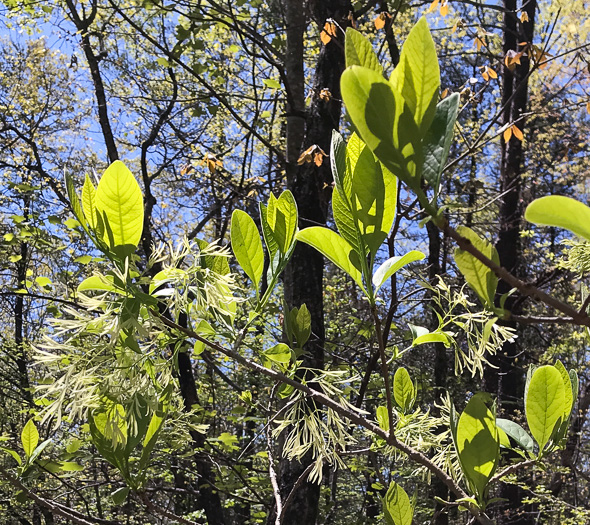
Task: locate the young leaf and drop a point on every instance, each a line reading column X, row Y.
column 271, row 244
column 373, row 200
column 29, row 438
column 481, row 279
column 544, row 403
column 568, row 393
column 247, row 246
column 437, row 142
column 397, row 508
column 119, row 203
column 359, row 51
column 338, row 160
column 281, row 215
column 335, row 248
column 516, row 432
column 382, row 418
column 280, row 353
column 345, row 222
column 403, row 389
column 417, row 75
column 478, row 445
column 562, row 212
column 300, row 324
column 392, row 265
column 89, row 202
column 383, row 121
column 74, row 200
column 120, row 495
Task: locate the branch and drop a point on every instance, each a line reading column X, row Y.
column 511, row 469
column 527, row 289
column 55, row 508
column 323, row 399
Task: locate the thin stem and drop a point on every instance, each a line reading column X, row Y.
column 384, row 366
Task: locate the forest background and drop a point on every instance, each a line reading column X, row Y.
column 214, row 106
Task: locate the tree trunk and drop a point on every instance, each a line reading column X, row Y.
column 311, row 187
column 507, row 380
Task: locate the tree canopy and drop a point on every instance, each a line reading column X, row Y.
column 294, row 262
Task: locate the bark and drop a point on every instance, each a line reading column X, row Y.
column 439, row 489
column 311, row 187
column 507, row 380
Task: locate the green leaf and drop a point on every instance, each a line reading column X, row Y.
column 383, row 121
column 74, row 200
column 105, row 283
column 120, row 495
column 562, row 212
column 478, row 444
column 280, row 353
column 281, row 215
column 482, row 280
column 119, row 203
column 433, row 337
column 417, row 75
column 382, row 417
column 300, row 324
column 271, row 244
column 29, row 438
column 568, row 393
column 83, row 259
column 271, row 83
column 345, row 221
column 392, row 265
column 247, row 246
column 359, row 51
column 89, row 202
column 404, row 392
column 12, row 453
column 397, row 508
column 439, row 137
column 544, row 403
column 516, row 432
column 338, row 160
column 373, row 200
column 335, row 248
column 71, row 466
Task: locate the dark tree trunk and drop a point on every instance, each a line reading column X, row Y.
column 311, row 187
column 507, row 380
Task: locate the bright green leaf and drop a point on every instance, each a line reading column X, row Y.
column 417, row 76
column 359, row 51
column 29, row 438
column 481, row 279
column 89, row 202
column 544, row 403
column 562, row 212
column 397, row 508
column 403, row 389
column 335, row 248
column 383, row 121
column 478, row 444
column 280, row 353
column 247, row 246
column 119, row 203
column 392, row 265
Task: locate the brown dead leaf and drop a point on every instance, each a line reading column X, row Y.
column 507, row 134
column 313, row 154
column 325, row 95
